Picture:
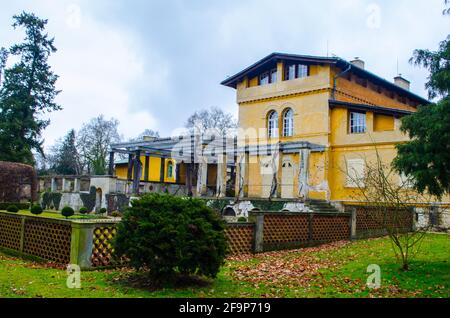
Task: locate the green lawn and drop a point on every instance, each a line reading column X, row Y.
column 58, row 215
column 335, row 270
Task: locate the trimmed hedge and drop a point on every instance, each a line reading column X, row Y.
column 36, row 209
column 20, row 206
column 12, row 209
column 67, row 211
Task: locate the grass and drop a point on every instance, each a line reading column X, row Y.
column 336, row 270
column 58, row 215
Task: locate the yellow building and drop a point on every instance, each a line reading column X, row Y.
column 305, row 122
column 155, row 170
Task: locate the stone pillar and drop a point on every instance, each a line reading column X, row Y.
column 259, row 233
column 54, row 185
column 137, row 173
column 65, row 185
column 353, row 224
column 111, row 163
column 77, row 185
column 242, row 175
column 221, row 176
column 147, row 169
column 202, row 177
column 189, row 171
column 279, row 166
column 304, row 174
column 81, row 244
column 130, row 167
column 162, row 173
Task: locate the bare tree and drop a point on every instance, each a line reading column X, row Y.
column 390, row 204
column 94, row 140
column 214, row 121
column 146, row 133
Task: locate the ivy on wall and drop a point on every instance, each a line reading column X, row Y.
column 89, row 199
column 117, row 202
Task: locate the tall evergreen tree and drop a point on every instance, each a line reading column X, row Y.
column 426, row 158
column 28, row 91
column 65, row 158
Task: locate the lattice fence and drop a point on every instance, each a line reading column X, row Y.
column 285, row 229
column 102, row 248
column 371, row 222
column 10, row 231
column 240, row 238
column 330, row 228
column 48, row 240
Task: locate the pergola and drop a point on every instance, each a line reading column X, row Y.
column 196, row 152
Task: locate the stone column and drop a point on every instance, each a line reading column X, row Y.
column 76, row 185
column 137, row 172
column 353, row 224
column 130, row 167
column 54, row 185
column 65, row 185
column 279, row 162
column 259, row 233
column 202, row 178
column 221, row 176
column 304, row 174
column 81, row 244
column 242, row 175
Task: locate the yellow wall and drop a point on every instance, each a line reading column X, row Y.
column 383, row 122
column 121, row 171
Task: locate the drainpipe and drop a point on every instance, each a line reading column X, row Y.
column 333, row 94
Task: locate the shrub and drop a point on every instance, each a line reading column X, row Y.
column 36, row 209
column 84, row 210
column 242, row 219
column 102, row 211
column 67, row 211
column 20, row 206
column 12, row 208
column 170, row 236
column 116, row 214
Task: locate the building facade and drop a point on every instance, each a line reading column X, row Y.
column 306, row 124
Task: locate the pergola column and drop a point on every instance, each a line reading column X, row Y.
column 221, row 176
column 304, row 174
column 137, row 172
column 279, row 177
column 162, row 173
column 202, row 178
column 54, row 185
column 147, row 168
column 130, row 167
column 243, row 174
column 76, row 185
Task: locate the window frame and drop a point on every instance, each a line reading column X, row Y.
column 269, row 75
column 296, row 71
column 290, row 120
column 273, row 132
column 357, row 125
column 170, row 170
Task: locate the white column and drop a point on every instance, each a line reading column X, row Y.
column 54, row 186
column 76, row 185
column 64, row 185
column 221, row 176
column 304, row 174
column 202, row 176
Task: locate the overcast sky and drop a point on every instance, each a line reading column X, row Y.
column 151, row 63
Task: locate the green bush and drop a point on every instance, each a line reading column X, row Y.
column 67, row 211
column 36, row 209
column 84, row 210
column 116, row 214
column 170, row 236
column 102, row 211
column 242, row 219
column 12, row 208
column 20, row 206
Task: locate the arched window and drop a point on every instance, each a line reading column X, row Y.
column 272, row 124
column 170, row 170
column 288, row 123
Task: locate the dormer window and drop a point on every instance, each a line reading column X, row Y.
column 294, row 71
column 268, row 77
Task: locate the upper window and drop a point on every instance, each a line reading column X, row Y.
column 268, row 77
column 170, row 170
column 272, row 124
column 294, row 71
column 288, row 123
column 357, row 123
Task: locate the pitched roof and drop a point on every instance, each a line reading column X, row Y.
column 262, row 64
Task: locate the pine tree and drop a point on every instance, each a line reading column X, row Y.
column 65, row 156
column 28, row 91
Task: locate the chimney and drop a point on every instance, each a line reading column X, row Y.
column 358, row 62
column 402, row 82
